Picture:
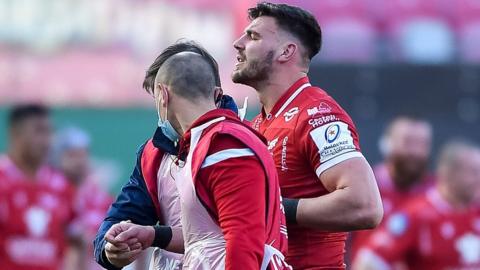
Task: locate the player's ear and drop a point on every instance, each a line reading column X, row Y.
column 288, row 51
column 163, row 94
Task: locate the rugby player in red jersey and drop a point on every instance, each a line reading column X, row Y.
column 330, row 186
column 438, row 230
column 406, row 145
column 35, row 200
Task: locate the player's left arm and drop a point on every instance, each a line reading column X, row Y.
column 353, row 201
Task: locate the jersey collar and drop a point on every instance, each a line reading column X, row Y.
column 184, row 142
column 287, row 98
column 13, row 172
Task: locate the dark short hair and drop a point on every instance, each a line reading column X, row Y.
column 178, row 47
column 20, row 113
column 296, row 21
column 189, row 75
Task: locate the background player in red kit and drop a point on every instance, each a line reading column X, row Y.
column 35, row 200
column 314, row 143
column 438, row 230
column 71, row 155
column 406, row 145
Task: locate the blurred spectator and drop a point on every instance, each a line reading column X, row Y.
column 71, row 157
column 406, row 146
column 35, row 200
column 439, row 229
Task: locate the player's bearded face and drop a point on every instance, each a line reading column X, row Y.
column 409, row 169
column 251, row 69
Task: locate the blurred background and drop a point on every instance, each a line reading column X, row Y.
column 87, row 59
column 380, row 58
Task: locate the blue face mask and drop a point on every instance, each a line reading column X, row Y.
column 166, row 127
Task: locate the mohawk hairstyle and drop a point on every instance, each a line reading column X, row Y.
column 181, row 45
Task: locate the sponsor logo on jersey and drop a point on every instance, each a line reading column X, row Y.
column 316, row 122
column 333, row 140
column 290, row 114
column 284, row 154
column 256, row 123
column 272, row 143
column 332, row 133
column 468, row 247
column 322, row 108
column 40, row 251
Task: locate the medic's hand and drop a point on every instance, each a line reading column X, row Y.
column 125, row 241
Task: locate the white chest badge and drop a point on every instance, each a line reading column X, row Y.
column 37, row 220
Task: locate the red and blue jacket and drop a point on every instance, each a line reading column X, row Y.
column 135, row 202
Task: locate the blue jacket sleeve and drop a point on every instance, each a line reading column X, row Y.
column 133, row 203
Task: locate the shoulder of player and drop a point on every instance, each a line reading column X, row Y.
column 314, row 97
column 224, row 141
column 316, row 112
column 57, row 182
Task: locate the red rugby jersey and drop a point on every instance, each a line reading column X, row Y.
column 308, row 133
column 392, row 199
column 34, row 215
column 427, row 233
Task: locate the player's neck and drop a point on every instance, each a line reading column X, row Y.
column 191, row 112
column 28, row 168
column 271, row 91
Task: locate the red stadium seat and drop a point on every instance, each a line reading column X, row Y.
column 344, row 23
column 466, row 17
column 349, row 40
column 469, row 41
column 465, row 11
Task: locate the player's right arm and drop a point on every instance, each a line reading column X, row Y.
column 133, row 203
column 390, row 244
column 329, row 143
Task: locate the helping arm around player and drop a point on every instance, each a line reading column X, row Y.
column 135, row 205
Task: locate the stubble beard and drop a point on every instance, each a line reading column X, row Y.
column 255, row 72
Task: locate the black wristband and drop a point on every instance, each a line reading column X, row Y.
column 290, row 206
column 163, row 236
